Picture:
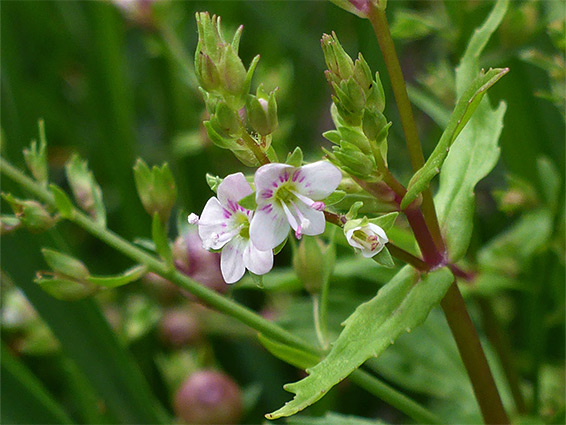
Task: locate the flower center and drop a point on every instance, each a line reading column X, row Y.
column 242, row 223
column 370, row 242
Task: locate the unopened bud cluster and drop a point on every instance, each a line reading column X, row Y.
column 225, row 84
column 357, row 111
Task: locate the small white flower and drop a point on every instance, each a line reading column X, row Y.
column 290, row 196
column 369, row 238
column 225, row 224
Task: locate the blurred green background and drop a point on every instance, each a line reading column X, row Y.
column 115, row 84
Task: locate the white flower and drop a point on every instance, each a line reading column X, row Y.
column 369, row 238
column 290, row 196
column 225, row 224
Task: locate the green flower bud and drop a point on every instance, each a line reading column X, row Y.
column 218, row 67
column 8, row 224
column 31, row 214
column 340, row 65
column 156, row 188
column 36, row 157
column 373, row 123
column 262, row 111
column 227, row 119
column 86, row 190
column 313, row 262
column 68, row 281
column 355, row 162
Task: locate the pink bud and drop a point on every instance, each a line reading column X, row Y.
column 209, row 397
column 179, row 327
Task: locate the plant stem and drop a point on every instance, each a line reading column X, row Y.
column 473, row 357
column 251, row 143
column 380, row 26
column 423, row 236
column 215, row 300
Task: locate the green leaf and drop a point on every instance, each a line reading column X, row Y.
column 213, row 182
column 474, row 154
column 384, row 258
column 128, row 276
column 248, row 202
column 64, row 204
column 334, row 197
column 24, row 399
column 385, row 221
column 159, row 236
column 288, row 354
column 398, row 307
column 466, row 106
column 295, row 158
column 331, row 418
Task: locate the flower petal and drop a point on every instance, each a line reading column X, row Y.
column 214, row 221
column 269, row 176
column 256, row 261
column 379, row 232
column 232, row 189
column 231, row 261
column 317, row 222
column 317, row 180
column 269, row 227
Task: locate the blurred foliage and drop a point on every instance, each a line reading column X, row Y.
column 113, row 85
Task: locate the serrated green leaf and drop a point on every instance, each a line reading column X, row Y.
column 295, row 158
column 128, row 276
column 466, row 106
column 62, row 201
column 399, row 306
column 384, row 258
column 248, row 202
column 474, row 154
column 159, row 236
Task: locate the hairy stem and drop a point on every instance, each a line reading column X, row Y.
column 215, row 300
column 380, row 25
column 473, row 356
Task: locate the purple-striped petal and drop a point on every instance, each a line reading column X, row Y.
column 270, row 176
column 214, row 221
column 269, row 227
column 317, row 180
column 232, row 189
column 231, row 260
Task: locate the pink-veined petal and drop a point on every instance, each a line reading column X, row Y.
column 269, row 176
column 232, row 189
column 256, row 261
column 232, row 260
column 214, row 221
column 379, row 232
column 316, row 220
column 317, row 180
column 269, row 227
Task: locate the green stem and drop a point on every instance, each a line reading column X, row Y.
column 380, row 25
column 473, row 357
column 215, row 300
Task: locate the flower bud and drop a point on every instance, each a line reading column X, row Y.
column 198, row 263
column 86, row 190
column 366, row 237
column 313, row 263
column 359, row 7
column 36, row 158
column 179, row 327
column 227, row 119
column 355, row 162
column 31, row 214
column 262, row 111
column 339, row 63
column 8, row 224
column 209, row 397
column 156, row 189
column 65, row 265
column 373, row 123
